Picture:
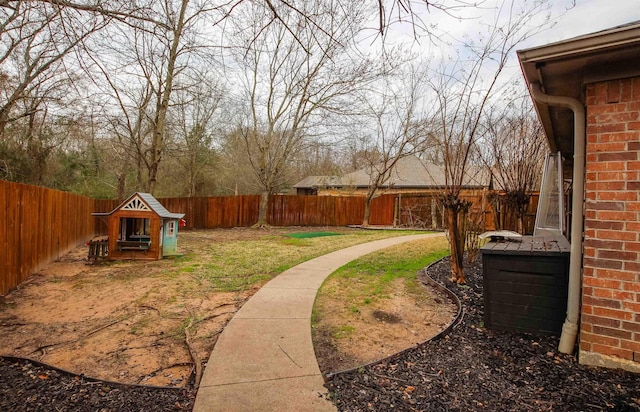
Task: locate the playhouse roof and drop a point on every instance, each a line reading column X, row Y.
column 149, row 201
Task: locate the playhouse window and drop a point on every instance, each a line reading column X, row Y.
column 143, row 227
column 132, row 228
column 171, row 229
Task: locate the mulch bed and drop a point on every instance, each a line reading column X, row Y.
column 472, row 368
column 30, row 386
column 468, row 369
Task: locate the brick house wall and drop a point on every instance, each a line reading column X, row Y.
column 610, row 321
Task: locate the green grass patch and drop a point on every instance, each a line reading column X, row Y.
column 240, row 264
column 370, row 277
column 307, row 235
column 342, row 332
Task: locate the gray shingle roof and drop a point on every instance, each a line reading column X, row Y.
column 319, row 181
column 409, row 172
column 150, row 201
column 157, row 207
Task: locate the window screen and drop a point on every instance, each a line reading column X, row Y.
column 549, row 217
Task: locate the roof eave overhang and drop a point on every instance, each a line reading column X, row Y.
column 564, row 68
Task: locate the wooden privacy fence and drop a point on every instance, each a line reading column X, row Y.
column 39, row 225
column 201, row 212
column 283, row 210
column 400, row 210
column 505, row 218
column 425, row 211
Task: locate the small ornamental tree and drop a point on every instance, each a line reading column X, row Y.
column 463, row 90
column 515, row 150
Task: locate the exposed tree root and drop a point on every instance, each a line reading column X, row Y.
column 43, row 347
column 128, row 348
column 149, row 307
column 157, row 371
column 195, row 360
column 104, row 327
column 86, row 335
column 212, row 317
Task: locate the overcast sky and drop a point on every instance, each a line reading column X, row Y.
column 588, row 16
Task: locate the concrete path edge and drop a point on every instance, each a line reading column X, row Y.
column 264, row 359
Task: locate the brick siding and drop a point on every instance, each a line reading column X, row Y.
column 610, row 323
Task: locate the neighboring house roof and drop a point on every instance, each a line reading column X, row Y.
column 565, row 67
column 409, row 172
column 318, row 181
column 151, row 203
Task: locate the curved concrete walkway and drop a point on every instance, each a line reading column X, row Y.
column 264, row 358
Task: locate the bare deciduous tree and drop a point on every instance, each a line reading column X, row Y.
column 195, row 109
column 463, row 91
column 398, row 129
column 35, row 40
column 294, row 76
column 150, row 60
column 514, row 150
column 303, row 59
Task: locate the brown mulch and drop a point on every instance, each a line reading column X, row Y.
column 472, row 368
column 468, row 369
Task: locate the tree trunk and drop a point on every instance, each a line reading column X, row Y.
column 456, row 211
column 162, row 106
column 434, row 214
column 262, row 212
column 122, row 181
column 367, row 212
column 456, row 242
column 153, row 173
column 522, row 211
column 367, row 204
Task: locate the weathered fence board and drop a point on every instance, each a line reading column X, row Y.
column 38, row 225
column 382, row 210
column 315, row 210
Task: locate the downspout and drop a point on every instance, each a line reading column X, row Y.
column 570, row 326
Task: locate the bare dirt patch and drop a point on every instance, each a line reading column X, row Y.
column 356, row 323
column 148, row 323
column 117, row 321
column 346, row 339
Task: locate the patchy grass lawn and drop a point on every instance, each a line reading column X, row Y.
column 375, row 306
column 149, row 322
column 238, row 264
